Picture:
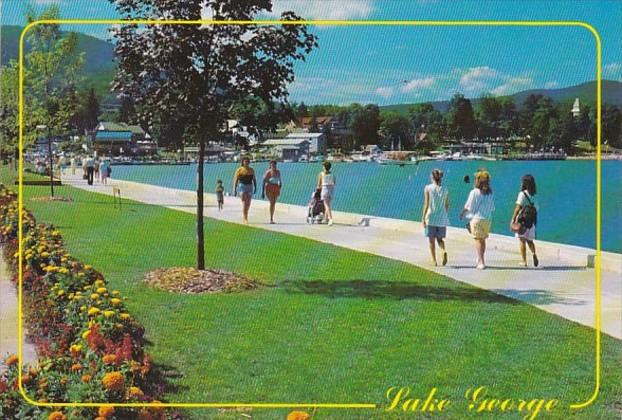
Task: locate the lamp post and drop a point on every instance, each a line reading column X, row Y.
column 49, row 135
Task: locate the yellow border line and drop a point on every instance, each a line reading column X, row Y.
column 306, row 22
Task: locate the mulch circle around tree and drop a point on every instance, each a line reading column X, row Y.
column 48, row 198
column 192, row 281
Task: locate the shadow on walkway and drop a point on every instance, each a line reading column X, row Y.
column 374, row 289
column 518, row 268
column 540, row 297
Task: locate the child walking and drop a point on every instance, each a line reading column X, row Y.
column 220, row 194
column 435, row 218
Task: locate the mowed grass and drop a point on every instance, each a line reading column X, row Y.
column 330, row 325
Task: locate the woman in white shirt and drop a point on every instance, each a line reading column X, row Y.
column 526, row 197
column 326, row 182
column 435, row 218
column 479, row 208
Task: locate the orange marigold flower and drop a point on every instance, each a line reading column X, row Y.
column 76, row 367
column 86, row 378
column 113, row 381
column 26, row 379
column 57, row 415
column 105, row 411
column 11, row 360
column 298, row 415
column 109, row 359
column 135, row 392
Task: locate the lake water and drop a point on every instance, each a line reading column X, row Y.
column 566, row 191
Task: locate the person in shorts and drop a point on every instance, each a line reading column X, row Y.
column 220, row 194
column 435, row 217
column 526, row 196
column 479, row 208
column 326, row 183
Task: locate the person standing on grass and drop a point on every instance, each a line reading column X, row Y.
column 326, row 182
column 435, row 218
column 244, row 182
column 271, row 187
column 527, row 234
column 89, row 163
column 479, row 207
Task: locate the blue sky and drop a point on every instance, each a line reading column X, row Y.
column 414, row 64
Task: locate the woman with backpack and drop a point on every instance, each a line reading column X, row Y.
column 525, row 218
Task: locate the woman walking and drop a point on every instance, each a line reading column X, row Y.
column 435, row 218
column 244, row 182
column 326, row 182
column 525, row 217
column 104, row 166
column 271, row 187
column 479, row 208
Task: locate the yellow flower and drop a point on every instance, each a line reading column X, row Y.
column 75, row 349
column 101, row 290
column 93, row 311
column 60, row 292
column 109, row 313
column 298, row 415
column 109, row 359
column 45, row 254
column 94, row 296
column 124, row 316
column 83, row 308
column 106, row 411
column 86, row 334
column 135, row 392
column 115, row 301
column 113, row 381
column 57, row 415
column 63, row 270
column 115, row 292
column 88, row 266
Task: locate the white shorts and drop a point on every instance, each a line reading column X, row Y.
column 328, row 192
column 529, row 234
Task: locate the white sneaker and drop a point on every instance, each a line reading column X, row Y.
column 522, row 264
column 480, row 266
column 330, row 222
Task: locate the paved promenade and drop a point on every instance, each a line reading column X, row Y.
column 563, row 284
column 8, row 319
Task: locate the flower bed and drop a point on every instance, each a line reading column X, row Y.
column 90, row 349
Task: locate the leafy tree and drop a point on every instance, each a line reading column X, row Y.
column 543, row 127
column 8, row 109
column 202, row 71
column 567, row 131
column 612, row 125
column 127, row 110
column 397, row 129
column 87, row 115
column 365, row 123
column 461, row 118
column 489, row 116
column 427, row 119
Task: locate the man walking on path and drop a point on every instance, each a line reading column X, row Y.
column 90, row 170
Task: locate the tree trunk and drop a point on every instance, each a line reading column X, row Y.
column 200, row 233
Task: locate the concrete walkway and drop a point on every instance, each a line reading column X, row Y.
column 563, row 284
column 9, row 319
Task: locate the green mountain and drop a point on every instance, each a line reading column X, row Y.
column 586, row 92
column 99, row 66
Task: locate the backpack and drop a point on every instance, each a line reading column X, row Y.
column 528, row 215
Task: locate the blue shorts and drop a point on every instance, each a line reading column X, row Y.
column 245, row 188
column 435, row 231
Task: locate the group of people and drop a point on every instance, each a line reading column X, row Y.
column 95, row 168
column 245, row 184
column 478, row 210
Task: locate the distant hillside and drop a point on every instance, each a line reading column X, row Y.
column 99, row 53
column 586, row 92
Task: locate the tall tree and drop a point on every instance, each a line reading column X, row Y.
column 427, row 119
column 397, row 129
column 489, row 114
column 461, row 118
column 612, row 125
column 201, row 70
column 127, row 110
column 365, row 123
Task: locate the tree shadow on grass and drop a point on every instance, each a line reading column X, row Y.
column 380, row 289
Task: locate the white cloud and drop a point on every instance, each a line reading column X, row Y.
column 422, row 83
column 612, row 69
column 322, row 9
column 551, row 85
column 477, row 78
column 385, row 91
column 512, row 84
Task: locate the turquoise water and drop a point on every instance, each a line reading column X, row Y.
column 566, row 191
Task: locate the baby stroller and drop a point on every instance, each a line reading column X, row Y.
column 316, row 208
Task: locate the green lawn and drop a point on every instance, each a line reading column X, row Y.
column 331, row 325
